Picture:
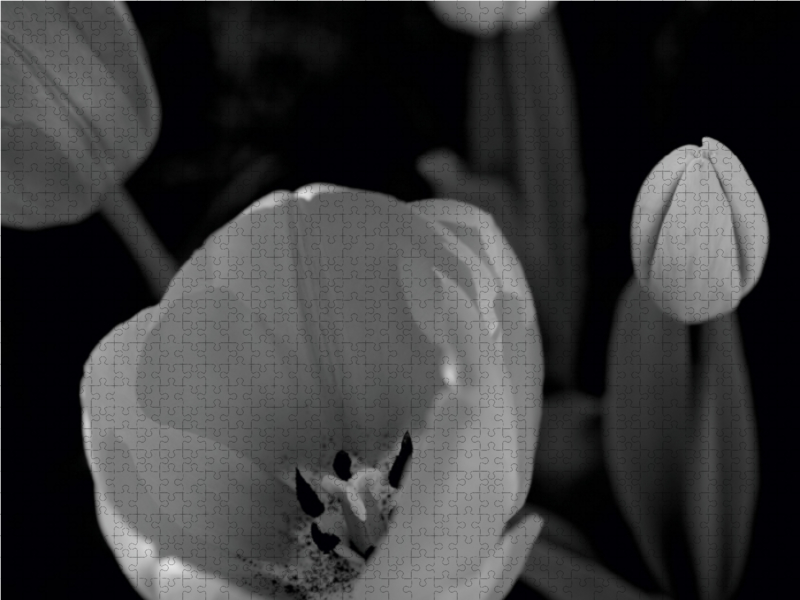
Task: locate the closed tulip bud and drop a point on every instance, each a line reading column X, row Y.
column 699, row 234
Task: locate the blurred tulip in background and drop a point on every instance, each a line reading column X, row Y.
column 80, row 113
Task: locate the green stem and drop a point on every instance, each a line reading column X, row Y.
column 155, row 262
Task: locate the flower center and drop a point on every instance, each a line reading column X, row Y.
column 345, row 516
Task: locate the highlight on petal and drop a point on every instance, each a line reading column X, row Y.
column 313, row 329
column 509, row 559
column 181, row 581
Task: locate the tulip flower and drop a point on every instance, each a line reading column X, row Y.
column 488, row 19
column 338, row 396
column 699, row 233
column 80, row 114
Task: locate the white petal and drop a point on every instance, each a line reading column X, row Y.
column 458, row 488
column 181, row 581
column 652, row 205
column 750, row 218
column 500, row 572
column 190, row 496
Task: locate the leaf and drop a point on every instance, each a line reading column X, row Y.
column 560, row 573
column 645, row 422
column 721, row 472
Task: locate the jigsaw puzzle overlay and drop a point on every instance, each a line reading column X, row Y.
column 342, row 395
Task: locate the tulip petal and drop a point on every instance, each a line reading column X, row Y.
column 464, row 480
column 749, row 216
column 695, row 268
column 652, row 205
column 488, row 19
column 511, row 324
column 721, row 466
column 502, row 569
column 192, row 496
column 647, row 406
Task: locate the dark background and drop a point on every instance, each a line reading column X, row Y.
column 389, row 83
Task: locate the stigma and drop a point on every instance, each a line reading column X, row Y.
column 346, row 511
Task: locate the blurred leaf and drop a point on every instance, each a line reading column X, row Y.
column 680, row 441
column 561, row 532
column 721, row 472
column 645, row 423
column 561, row 574
column 570, row 446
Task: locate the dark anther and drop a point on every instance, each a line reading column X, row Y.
column 307, row 497
column 396, row 472
column 341, row 465
column 324, row 541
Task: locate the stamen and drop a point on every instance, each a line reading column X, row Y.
column 333, row 485
column 324, row 541
column 341, row 465
column 364, row 518
column 307, row 497
column 351, row 555
column 349, row 491
column 396, row 472
column 356, row 489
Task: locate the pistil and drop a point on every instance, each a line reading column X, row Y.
column 345, row 516
column 361, row 507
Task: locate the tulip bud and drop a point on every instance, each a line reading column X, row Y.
column 699, row 234
column 489, row 19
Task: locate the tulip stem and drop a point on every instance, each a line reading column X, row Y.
column 154, row 261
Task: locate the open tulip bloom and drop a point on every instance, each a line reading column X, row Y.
column 338, row 397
